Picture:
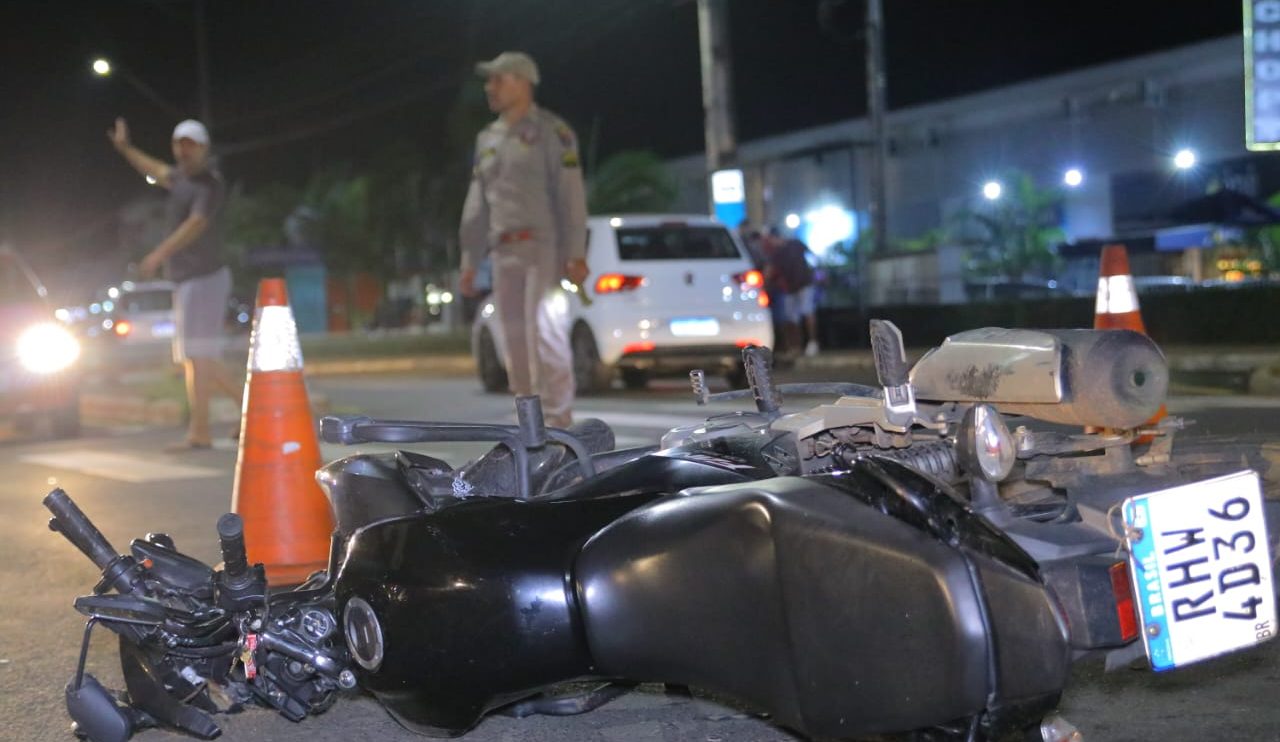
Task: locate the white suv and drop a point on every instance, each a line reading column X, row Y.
column 668, row 293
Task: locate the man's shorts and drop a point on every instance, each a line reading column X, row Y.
column 799, row 305
column 199, row 315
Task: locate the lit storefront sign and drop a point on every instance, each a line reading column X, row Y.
column 1262, row 74
column 729, row 196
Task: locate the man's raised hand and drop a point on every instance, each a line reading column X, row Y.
column 119, row 134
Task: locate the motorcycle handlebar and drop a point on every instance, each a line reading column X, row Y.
column 231, row 538
column 73, row 524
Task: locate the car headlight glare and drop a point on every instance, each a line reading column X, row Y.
column 47, row 348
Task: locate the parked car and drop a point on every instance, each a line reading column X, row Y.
column 40, row 375
column 143, row 311
column 667, row 293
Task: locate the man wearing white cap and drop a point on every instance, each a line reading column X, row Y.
column 526, row 208
column 192, row 258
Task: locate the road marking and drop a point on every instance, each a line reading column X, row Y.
column 118, row 466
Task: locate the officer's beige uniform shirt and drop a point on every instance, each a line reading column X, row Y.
column 526, row 177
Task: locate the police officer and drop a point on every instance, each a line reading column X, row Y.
column 526, row 208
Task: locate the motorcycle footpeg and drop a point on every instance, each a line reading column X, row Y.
column 96, row 714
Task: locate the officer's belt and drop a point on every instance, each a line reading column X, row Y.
column 515, row 235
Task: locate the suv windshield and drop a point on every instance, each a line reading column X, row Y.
column 675, row 242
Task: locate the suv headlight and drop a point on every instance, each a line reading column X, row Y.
column 47, row 348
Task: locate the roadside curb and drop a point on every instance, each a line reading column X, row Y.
column 117, row 409
column 434, row 365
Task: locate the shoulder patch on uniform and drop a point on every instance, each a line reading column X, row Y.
column 570, row 158
column 564, row 133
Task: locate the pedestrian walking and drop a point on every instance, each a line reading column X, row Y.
column 191, row 256
column 789, row 271
column 526, row 209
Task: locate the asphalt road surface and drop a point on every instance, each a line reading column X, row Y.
column 122, row 481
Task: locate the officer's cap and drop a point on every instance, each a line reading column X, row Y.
column 517, row 63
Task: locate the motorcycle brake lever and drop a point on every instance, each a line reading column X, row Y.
column 126, row 609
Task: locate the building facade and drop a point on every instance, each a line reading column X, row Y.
column 1119, row 125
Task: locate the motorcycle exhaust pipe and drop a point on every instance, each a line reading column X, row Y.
column 1111, row 379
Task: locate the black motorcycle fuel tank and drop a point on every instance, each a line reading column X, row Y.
column 846, row 605
column 474, row 600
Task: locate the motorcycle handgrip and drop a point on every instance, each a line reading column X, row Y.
column 231, row 538
column 72, row 523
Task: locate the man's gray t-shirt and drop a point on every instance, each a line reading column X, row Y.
column 203, row 194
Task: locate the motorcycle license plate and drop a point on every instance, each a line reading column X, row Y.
column 1201, row 566
column 695, row 327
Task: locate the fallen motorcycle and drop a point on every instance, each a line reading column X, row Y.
column 895, row 561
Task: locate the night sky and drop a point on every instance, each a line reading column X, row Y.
column 298, row 84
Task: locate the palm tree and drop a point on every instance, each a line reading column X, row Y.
column 631, row 182
column 1017, row 233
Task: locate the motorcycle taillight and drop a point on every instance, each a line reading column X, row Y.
column 1126, row 608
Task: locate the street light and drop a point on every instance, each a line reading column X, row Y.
column 1185, row 159
column 792, row 221
column 992, row 189
column 1073, row 177
column 102, row 67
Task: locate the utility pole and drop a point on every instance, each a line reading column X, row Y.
column 202, row 65
column 879, row 145
column 717, row 101
column 875, row 111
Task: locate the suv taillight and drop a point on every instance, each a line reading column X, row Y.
column 613, row 282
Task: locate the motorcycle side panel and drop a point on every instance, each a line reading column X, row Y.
column 475, row 604
column 365, row 488
column 838, row 618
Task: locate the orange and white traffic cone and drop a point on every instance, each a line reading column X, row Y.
column 1117, row 305
column 287, row 521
